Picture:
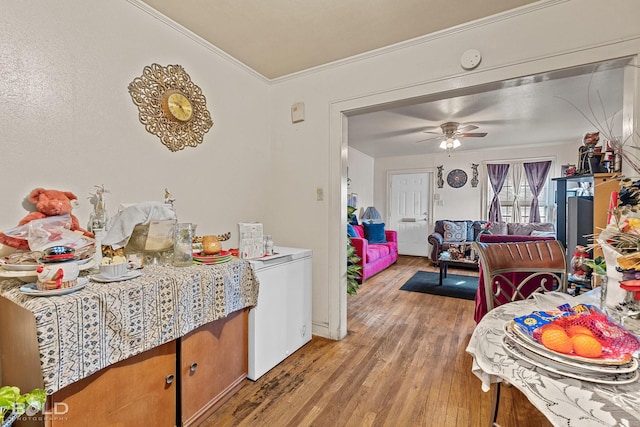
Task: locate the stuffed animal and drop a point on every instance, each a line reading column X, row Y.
column 48, row 203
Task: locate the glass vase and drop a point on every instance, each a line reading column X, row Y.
column 183, row 244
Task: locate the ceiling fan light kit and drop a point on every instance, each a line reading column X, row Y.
column 451, row 134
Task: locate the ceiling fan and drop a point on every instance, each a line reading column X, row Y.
column 451, row 132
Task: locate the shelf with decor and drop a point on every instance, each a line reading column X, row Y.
column 580, row 216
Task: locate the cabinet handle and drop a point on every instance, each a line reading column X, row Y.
column 193, row 367
column 169, row 378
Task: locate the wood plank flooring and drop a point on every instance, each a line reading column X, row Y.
column 402, row 364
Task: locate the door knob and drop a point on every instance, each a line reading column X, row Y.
column 193, row 367
column 169, row 378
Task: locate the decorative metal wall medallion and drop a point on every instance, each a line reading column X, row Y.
column 171, row 106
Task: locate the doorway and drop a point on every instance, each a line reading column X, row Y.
column 410, row 210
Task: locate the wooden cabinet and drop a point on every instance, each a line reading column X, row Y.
column 603, row 184
column 178, row 383
column 202, row 354
column 139, row 391
column 143, row 390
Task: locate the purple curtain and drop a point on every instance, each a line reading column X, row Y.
column 497, row 175
column 536, row 177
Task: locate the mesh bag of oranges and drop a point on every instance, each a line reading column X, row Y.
column 582, row 330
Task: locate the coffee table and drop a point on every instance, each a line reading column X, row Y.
column 443, row 264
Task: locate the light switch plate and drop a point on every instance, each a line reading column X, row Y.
column 297, row 112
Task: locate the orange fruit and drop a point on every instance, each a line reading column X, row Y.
column 552, row 326
column 556, row 340
column 579, row 329
column 586, row 346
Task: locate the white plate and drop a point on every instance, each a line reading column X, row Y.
column 130, row 275
column 22, row 274
column 19, row 267
column 531, row 344
column 518, row 352
column 32, row 290
column 571, row 365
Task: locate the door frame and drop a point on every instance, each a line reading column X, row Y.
column 339, row 110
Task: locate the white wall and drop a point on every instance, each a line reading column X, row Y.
column 547, row 36
column 361, row 167
column 68, row 122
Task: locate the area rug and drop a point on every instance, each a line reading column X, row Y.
column 453, row 285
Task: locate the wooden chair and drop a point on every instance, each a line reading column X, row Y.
column 515, row 271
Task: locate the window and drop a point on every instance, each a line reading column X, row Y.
column 507, row 196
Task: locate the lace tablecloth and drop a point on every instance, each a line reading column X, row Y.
column 85, row 331
column 564, row 401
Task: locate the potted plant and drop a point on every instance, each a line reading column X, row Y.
column 13, row 404
column 353, row 269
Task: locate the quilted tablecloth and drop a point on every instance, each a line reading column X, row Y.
column 85, row 331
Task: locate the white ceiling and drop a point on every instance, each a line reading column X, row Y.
column 280, row 37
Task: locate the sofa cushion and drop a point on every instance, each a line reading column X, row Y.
column 377, row 251
column 525, row 229
column 455, row 231
column 359, row 231
column 374, row 233
column 351, row 232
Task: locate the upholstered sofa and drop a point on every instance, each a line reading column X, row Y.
column 456, row 232
column 374, row 257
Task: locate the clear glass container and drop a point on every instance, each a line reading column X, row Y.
column 183, row 244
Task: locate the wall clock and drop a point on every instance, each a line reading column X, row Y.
column 457, row 178
column 171, row 106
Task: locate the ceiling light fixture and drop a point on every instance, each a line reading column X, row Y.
column 450, row 143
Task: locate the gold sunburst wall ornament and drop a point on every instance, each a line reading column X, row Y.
column 171, row 106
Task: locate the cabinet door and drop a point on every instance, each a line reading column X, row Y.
column 139, row 391
column 213, row 365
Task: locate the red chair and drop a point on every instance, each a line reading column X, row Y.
column 512, row 271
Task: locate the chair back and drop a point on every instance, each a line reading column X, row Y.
column 516, row 270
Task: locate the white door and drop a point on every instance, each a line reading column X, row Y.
column 409, row 211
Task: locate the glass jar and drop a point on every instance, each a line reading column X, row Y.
column 268, row 245
column 579, row 267
column 183, row 244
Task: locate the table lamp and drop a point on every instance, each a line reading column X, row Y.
column 371, row 215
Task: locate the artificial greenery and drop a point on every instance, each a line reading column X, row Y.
column 353, row 268
column 12, row 401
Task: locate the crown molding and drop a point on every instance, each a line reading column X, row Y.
column 196, row 38
column 468, row 26
column 447, row 32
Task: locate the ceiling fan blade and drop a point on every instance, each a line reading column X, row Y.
column 438, row 132
column 430, row 139
column 471, row 135
column 467, row 128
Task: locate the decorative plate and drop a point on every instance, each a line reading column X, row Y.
column 457, row 178
column 523, row 339
column 130, row 275
column 519, row 353
column 32, row 290
column 568, row 364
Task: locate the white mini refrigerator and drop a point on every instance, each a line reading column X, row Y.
column 281, row 322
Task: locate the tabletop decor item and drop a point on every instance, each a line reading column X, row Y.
column 171, row 106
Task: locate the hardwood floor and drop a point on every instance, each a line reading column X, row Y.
column 402, row 364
